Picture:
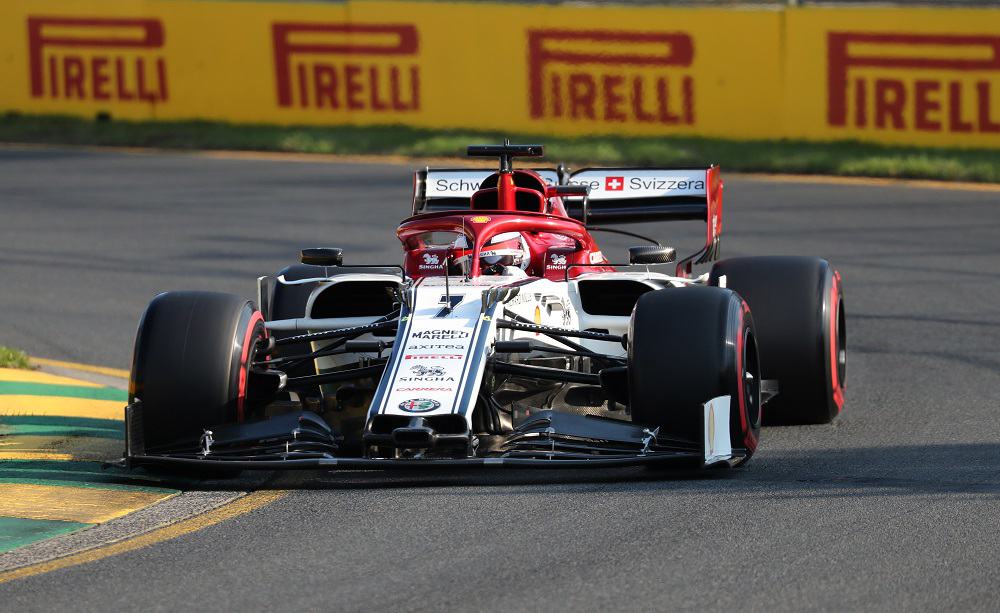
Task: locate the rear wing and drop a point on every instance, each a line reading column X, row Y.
column 637, row 195
column 449, row 189
column 615, row 196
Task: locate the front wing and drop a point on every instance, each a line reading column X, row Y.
column 549, row 439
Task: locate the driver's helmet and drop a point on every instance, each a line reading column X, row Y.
column 508, row 249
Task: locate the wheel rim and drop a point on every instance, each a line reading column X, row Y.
column 751, row 378
column 249, row 354
column 841, row 340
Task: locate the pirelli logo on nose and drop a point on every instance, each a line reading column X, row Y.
column 611, row 76
column 97, row 59
column 906, row 82
column 347, row 67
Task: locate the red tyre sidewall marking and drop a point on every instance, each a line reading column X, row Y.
column 748, row 437
column 838, row 390
column 241, row 395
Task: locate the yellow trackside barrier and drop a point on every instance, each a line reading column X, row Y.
column 915, row 76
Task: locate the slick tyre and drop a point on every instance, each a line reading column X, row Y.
column 686, row 347
column 191, row 362
column 798, row 308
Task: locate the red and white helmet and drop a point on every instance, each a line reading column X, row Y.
column 507, row 249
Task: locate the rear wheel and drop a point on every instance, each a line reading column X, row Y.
column 192, row 357
column 798, row 308
column 688, row 346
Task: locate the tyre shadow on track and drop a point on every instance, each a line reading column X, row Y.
column 969, row 469
column 948, row 469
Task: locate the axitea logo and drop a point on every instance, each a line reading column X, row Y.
column 97, row 59
column 347, row 66
column 924, row 82
column 611, row 76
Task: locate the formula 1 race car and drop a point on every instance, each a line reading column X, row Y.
column 506, row 338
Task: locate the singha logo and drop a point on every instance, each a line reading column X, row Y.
column 431, row 261
column 557, row 261
column 427, row 371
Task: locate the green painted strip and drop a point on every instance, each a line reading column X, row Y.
column 90, row 485
column 17, row 532
column 85, row 474
column 24, row 388
column 63, row 421
column 60, row 431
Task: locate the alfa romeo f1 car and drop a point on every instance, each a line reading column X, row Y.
column 505, row 338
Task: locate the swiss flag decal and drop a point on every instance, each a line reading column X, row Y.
column 614, row 184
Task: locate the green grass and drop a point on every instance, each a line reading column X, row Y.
column 14, row 358
column 771, row 156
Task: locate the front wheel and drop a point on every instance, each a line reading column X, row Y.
column 694, row 370
column 192, row 358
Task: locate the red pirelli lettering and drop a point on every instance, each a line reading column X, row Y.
column 346, row 81
column 580, row 74
column 57, row 67
column 890, row 101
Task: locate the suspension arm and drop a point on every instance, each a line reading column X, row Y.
column 543, row 372
column 526, row 327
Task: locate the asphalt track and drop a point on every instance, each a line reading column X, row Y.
column 894, row 507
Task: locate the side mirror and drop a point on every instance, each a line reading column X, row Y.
column 651, row 254
column 322, row 256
